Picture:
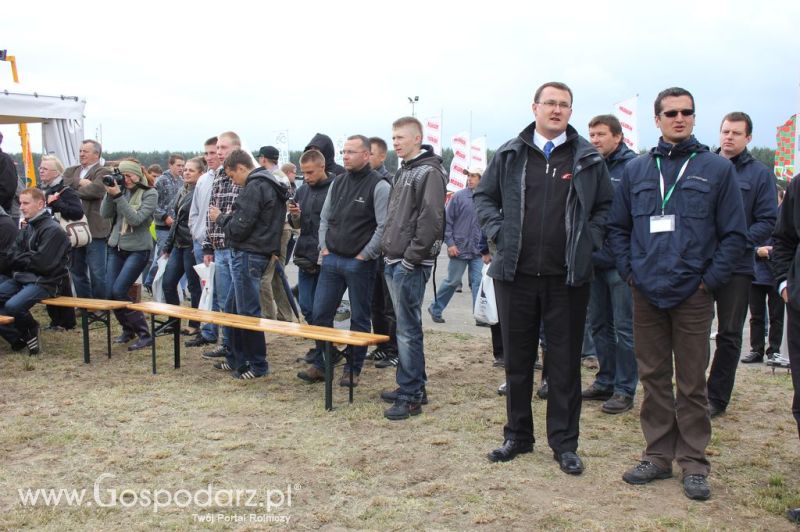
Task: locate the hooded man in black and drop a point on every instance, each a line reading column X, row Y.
column 324, row 145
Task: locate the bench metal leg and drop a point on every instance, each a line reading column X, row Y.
column 349, row 360
column 153, row 335
column 85, row 327
column 328, row 356
column 176, row 323
column 107, row 314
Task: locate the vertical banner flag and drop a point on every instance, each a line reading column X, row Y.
column 338, row 146
column 626, row 112
column 281, row 142
column 433, row 134
column 460, row 162
column 786, row 156
column 477, row 153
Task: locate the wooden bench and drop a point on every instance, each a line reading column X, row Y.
column 92, row 311
column 327, row 335
column 6, row 320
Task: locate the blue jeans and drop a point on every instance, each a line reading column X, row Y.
column 611, row 319
column 88, row 269
column 122, row 270
column 161, row 236
column 248, row 349
column 358, row 278
column 181, row 261
column 455, row 271
column 16, row 301
column 407, row 289
column 306, row 288
column 222, row 286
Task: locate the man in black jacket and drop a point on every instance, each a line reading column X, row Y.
column 785, row 264
column 350, row 230
column 543, row 201
column 253, row 231
column 323, row 144
column 8, row 180
column 38, row 263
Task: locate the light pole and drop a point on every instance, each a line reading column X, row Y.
column 413, row 102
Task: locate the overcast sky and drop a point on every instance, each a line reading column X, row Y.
column 167, row 75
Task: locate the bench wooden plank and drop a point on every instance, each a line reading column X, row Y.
column 88, row 304
column 312, row 332
column 5, row 320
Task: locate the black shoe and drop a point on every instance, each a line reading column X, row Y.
column 696, row 487
column 198, row 341
column 752, row 357
column 541, row 393
column 510, row 450
column 125, row 337
column 379, row 353
column 391, row 361
column 479, row 323
column 214, row 354
column 793, row 515
column 141, row 343
column 596, row 393
column 391, row 396
column 311, row 375
column 434, row 317
column 18, row 345
column 402, row 410
column 617, row 404
column 714, row 410
column 502, row 389
column 33, row 342
column 55, row 328
column 223, row 365
column 498, row 363
column 247, row 374
column 569, row 462
column 645, row 472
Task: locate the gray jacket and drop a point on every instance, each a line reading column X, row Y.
column 138, row 238
column 499, row 201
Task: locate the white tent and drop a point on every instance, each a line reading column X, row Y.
column 61, row 118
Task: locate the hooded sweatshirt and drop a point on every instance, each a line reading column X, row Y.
column 325, row 145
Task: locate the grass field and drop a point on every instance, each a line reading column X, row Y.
column 115, row 425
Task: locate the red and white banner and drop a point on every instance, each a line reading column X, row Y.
column 627, row 113
column 477, row 153
column 460, row 162
column 433, row 134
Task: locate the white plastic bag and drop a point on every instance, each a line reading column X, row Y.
column 158, row 280
column 206, row 275
column 485, row 304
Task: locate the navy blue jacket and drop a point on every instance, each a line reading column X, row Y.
column 616, row 163
column 500, row 205
column 710, row 229
column 760, row 199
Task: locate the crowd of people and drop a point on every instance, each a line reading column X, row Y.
column 582, row 237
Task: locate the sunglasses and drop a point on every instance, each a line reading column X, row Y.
column 674, row 113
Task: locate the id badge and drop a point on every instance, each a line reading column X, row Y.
column 662, row 224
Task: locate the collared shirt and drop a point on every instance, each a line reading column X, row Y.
column 86, row 169
column 223, row 193
column 540, row 141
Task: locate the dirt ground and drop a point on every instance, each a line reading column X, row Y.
column 113, row 428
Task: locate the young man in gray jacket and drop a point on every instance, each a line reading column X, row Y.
column 411, row 243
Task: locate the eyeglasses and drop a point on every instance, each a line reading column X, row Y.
column 552, row 103
column 673, row 113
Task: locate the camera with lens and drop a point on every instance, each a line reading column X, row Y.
column 115, row 178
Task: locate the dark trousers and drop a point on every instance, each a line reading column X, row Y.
column 383, row 318
column 522, row 304
column 62, row 316
column 497, row 341
column 793, row 339
column 181, row 261
column 732, row 301
column 674, row 427
column 763, row 297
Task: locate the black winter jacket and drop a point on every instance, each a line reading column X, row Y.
column 616, row 162
column 499, row 203
column 40, row 253
column 8, row 234
column 310, row 198
column 255, row 223
column 68, row 204
column 179, row 234
column 785, row 261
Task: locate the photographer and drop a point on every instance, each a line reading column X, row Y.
column 178, row 246
column 129, row 204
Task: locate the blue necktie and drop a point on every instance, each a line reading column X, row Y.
column 548, row 148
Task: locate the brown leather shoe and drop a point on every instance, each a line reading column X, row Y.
column 345, row 380
column 311, row 375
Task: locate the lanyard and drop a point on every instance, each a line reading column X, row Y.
column 672, row 188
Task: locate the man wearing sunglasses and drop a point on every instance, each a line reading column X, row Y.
column 677, row 227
